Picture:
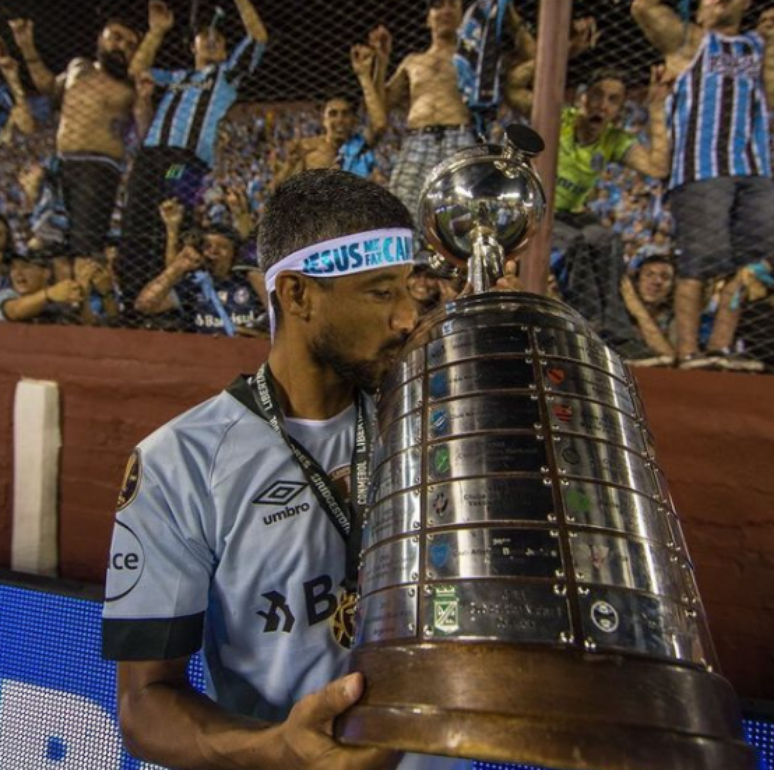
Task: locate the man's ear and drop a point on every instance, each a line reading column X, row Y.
column 293, row 295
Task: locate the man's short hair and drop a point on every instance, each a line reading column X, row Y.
column 322, row 204
column 121, row 21
column 607, row 73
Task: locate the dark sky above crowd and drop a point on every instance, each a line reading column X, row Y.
column 308, row 55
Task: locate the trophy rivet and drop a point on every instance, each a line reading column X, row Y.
column 560, row 590
column 415, row 539
column 430, row 574
column 559, row 573
column 412, row 592
column 428, row 591
column 580, row 575
column 551, row 517
column 428, row 630
column 583, row 591
column 410, row 626
column 415, row 575
column 566, row 637
column 416, row 524
column 590, row 645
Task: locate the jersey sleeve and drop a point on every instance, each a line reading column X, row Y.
column 244, row 60
column 160, row 563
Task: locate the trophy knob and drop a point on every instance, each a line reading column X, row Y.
column 482, row 204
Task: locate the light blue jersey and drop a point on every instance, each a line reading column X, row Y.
column 219, row 542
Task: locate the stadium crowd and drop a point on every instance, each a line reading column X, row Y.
column 142, row 213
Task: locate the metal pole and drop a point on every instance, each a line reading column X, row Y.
column 550, row 73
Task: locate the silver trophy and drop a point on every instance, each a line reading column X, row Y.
column 525, row 590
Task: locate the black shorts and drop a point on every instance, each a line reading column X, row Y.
column 89, row 187
column 722, row 224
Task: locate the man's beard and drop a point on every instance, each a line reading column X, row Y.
column 114, row 64
column 365, row 375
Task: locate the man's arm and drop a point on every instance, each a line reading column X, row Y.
column 363, row 64
column 155, row 297
column 32, row 305
column 24, row 35
column 519, row 91
column 768, row 65
column 394, row 93
column 654, row 161
column 165, row 721
column 143, row 110
column 21, row 115
column 252, row 21
column 160, row 20
column 663, row 28
column 525, row 47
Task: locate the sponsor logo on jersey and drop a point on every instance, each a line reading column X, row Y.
column 126, row 563
column 131, row 483
column 286, row 513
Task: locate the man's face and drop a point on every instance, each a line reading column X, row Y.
column 361, row 323
column 444, row 16
column 338, row 120
column 218, row 250
column 655, row 282
column 722, row 13
column 28, row 277
column 603, row 103
column 210, row 48
column 766, row 23
column 116, row 47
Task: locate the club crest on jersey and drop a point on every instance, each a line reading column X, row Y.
column 131, row 482
column 343, row 620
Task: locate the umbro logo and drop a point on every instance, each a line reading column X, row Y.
column 279, row 493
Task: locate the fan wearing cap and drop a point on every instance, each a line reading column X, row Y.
column 199, row 283
column 32, row 298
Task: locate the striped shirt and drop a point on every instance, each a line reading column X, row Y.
column 197, row 100
column 717, row 114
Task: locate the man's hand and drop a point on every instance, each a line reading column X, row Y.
column 171, row 211
column 23, row 33
column 160, row 17
column 510, row 281
column 8, row 65
column 583, row 35
column 144, row 85
column 189, row 259
column 68, row 291
column 660, row 85
column 307, row 734
column 362, row 57
column 236, row 200
column 380, row 41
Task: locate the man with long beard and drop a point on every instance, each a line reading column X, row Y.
column 98, row 101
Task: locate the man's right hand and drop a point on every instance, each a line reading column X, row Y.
column 189, row 259
column 23, row 33
column 171, row 211
column 380, row 40
column 160, row 17
column 68, row 291
column 307, row 734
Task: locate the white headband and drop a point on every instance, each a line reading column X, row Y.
column 348, row 255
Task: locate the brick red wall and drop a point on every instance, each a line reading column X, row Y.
column 714, row 433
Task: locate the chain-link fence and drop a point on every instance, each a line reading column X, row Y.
column 139, row 144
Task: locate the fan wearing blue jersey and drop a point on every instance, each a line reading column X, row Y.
column 720, row 186
column 235, row 517
column 179, row 148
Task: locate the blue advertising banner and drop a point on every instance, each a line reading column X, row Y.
column 57, row 695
